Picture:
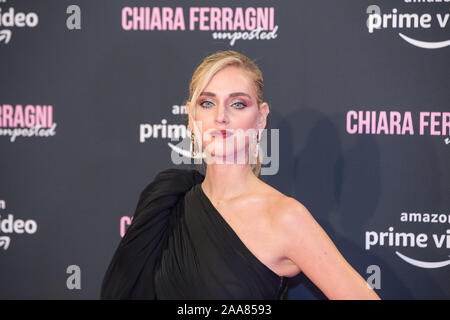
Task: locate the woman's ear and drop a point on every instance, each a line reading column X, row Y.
column 262, row 115
column 188, row 104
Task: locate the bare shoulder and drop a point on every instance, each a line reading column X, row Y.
column 286, row 211
column 289, row 210
column 292, row 221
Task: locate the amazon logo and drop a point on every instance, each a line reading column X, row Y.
column 423, row 264
column 408, row 20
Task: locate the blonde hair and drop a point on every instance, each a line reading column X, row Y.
column 213, row 64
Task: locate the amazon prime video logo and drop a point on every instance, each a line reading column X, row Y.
column 10, row 19
column 407, row 22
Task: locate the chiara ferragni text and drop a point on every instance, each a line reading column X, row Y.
column 398, row 123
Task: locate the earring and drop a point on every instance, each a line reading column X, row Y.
column 258, row 138
column 192, row 144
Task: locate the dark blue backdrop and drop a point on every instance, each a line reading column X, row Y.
column 67, row 189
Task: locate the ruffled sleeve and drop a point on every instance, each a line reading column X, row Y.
column 130, row 274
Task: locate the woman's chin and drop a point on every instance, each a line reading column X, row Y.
column 221, row 158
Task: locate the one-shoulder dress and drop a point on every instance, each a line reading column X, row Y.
column 178, row 246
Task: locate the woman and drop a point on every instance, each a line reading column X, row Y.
column 225, row 234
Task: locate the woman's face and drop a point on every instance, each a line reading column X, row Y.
column 228, row 102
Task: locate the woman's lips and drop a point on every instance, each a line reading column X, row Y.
column 224, row 133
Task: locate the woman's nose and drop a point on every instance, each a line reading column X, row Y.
column 221, row 116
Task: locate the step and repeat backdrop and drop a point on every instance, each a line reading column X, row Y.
column 92, row 106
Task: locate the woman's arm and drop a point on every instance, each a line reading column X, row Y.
column 310, row 248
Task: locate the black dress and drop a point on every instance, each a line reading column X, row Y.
column 178, row 246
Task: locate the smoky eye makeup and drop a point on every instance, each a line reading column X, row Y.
column 240, row 104
column 237, row 103
column 203, row 103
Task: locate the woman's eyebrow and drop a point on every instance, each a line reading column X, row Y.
column 234, row 94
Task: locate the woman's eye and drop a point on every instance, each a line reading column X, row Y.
column 240, row 105
column 208, row 104
column 205, row 106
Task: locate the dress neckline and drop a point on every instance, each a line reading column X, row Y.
column 234, row 234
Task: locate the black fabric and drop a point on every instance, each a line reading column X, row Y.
column 180, row 247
